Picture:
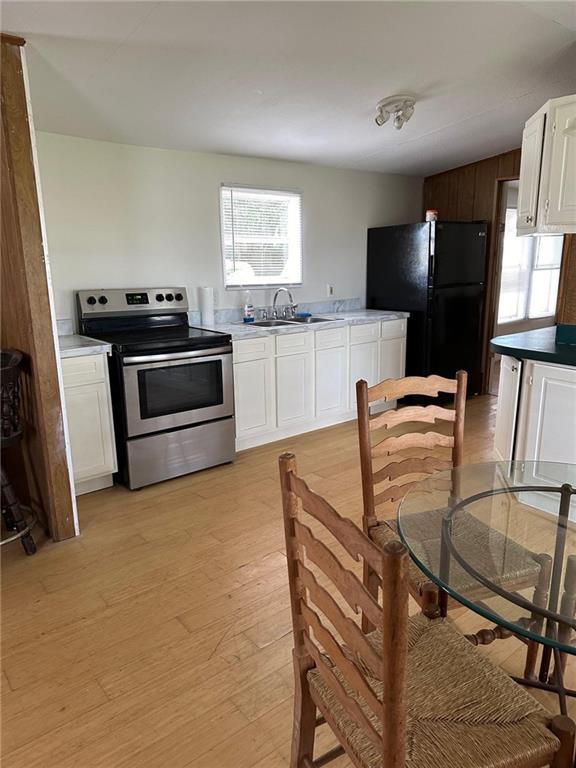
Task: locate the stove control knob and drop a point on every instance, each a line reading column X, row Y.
column 179, row 297
column 103, row 300
column 91, row 300
column 169, row 297
column 159, row 297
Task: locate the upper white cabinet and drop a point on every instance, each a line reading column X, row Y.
column 547, row 193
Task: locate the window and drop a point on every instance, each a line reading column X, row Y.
column 530, row 274
column 261, row 237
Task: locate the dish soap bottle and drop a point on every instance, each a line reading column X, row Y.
column 249, row 312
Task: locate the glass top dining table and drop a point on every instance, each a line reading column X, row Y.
column 500, row 538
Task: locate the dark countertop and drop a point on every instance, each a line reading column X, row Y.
column 535, row 345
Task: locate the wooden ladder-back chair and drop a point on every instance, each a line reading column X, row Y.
column 414, row 693
column 391, row 481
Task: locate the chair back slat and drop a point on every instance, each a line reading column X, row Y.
column 412, row 440
column 342, row 528
column 427, row 414
column 349, row 586
column 393, row 493
column 410, row 467
column 349, row 670
column 392, row 389
column 351, row 707
column 348, row 629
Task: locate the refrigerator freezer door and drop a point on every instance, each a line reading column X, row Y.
column 398, row 267
column 459, row 253
column 456, row 333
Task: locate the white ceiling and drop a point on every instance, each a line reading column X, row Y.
column 298, row 80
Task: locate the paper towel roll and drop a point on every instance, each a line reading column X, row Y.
column 206, row 304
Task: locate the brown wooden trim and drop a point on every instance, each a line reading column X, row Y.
column 566, row 305
column 26, row 312
column 12, row 39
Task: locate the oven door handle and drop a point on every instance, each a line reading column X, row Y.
column 178, row 356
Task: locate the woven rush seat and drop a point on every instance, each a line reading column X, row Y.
column 462, row 711
column 501, row 560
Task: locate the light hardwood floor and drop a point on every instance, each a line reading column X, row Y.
column 161, row 637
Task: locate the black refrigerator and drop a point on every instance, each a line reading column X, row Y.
column 435, row 271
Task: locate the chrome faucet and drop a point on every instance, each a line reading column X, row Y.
column 289, row 309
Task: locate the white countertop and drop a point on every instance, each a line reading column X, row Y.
column 74, row 345
column 355, row 317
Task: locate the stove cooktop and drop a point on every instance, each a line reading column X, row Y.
column 169, row 338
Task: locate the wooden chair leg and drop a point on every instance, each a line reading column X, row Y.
column 304, row 727
column 540, row 599
column 564, row 729
column 372, row 583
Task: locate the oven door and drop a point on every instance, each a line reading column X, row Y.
column 175, row 390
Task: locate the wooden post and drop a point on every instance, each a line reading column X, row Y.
column 564, row 728
column 304, row 725
column 394, row 653
column 27, row 323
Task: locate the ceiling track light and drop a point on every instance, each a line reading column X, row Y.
column 401, row 107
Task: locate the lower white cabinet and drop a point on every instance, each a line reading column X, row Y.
column 291, row 383
column 254, row 397
column 331, row 381
column 364, row 361
column 90, row 424
column 294, row 388
column 508, row 391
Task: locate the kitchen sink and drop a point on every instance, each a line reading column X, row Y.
column 308, row 320
column 268, row 323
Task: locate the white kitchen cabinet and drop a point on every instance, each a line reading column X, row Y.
column 254, row 397
column 363, row 365
column 547, row 190
column 90, row 424
column 508, row 391
column 392, row 364
column 530, row 165
column 294, row 388
column 547, row 414
column 331, row 381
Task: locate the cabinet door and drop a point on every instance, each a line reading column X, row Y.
column 294, row 388
column 559, row 192
column 363, row 365
column 331, row 381
column 509, row 388
column 392, row 362
column 91, row 431
column 254, row 397
column 531, row 158
column 548, row 414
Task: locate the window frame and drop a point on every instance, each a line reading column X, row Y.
column 260, row 188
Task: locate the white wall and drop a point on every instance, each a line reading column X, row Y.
column 125, row 216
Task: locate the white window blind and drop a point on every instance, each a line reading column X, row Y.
column 261, row 236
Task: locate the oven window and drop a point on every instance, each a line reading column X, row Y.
column 179, row 388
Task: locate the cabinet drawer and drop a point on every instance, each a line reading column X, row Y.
column 366, row 332
column 245, row 350
column 84, row 370
column 331, row 337
column 293, row 342
column 393, row 329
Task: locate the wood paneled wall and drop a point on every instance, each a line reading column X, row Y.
column 470, row 193
column 26, row 315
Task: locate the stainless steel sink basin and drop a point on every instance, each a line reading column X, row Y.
column 268, row 323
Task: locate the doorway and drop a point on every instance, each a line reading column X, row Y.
column 528, row 273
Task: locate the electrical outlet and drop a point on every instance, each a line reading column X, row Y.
column 329, row 290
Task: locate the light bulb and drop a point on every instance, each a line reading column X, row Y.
column 398, row 121
column 407, row 110
column 382, row 117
